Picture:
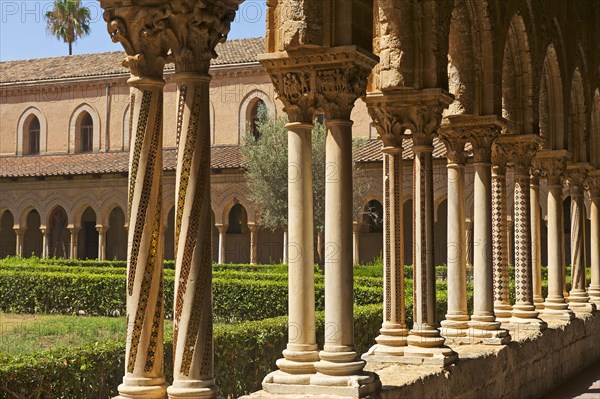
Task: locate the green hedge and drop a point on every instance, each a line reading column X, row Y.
column 244, row 354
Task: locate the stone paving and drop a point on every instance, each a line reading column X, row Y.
column 585, row 386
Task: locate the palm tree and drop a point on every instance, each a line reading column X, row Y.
column 69, row 20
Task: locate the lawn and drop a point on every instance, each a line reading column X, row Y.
column 22, row 334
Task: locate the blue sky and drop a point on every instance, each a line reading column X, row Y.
column 23, row 29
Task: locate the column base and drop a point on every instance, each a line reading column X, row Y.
column 488, row 333
column 503, row 312
column 579, row 302
column 557, row 311
column 390, row 345
column 324, row 386
column 594, row 293
column 454, row 331
column 129, row 391
column 427, row 347
column 538, row 302
column 518, row 325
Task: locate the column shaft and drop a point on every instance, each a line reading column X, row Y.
column 144, row 375
column 536, row 242
column 594, row 289
column 253, row 244
column 45, row 234
column 222, row 236
column 502, row 306
column 193, row 315
column 101, row 242
column 356, row 243
column 19, row 233
column 73, row 247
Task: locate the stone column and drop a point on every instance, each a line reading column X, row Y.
column 391, row 341
column 536, row 239
column 192, row 39
column 19, row 235
column 222, row 236
column 510, row 243
column 355, row 243
column 455, row 326
column 579, row 300
column 469, row 242
column 593, row 187
column 45, row 233
column 253, row 243
column 500, row 237
column 74, row 230
column 552, row 165
column 285, row 246
column 140, row 30
column 101, row 241
column 520, row 150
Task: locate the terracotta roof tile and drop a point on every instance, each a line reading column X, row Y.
column 370, row 151
column 106, row 64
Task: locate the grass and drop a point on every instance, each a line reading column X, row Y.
column 26, row 334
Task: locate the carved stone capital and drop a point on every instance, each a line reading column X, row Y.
column 455, row 142
column 141, row 31
column 481, row 131
column 519, row 150
column 550, row 164
column 576, row 177
column 195, row 28
column 592, row 183
column 419, row 111
column 328, row 79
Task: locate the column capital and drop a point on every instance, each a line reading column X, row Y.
column 195, row 28
column 330, row 79
column 480, row 130
column 550, row 164
column 101, row 229
column 592, row 183
column 519, row 150
column 419, row 111
column 253, row 227
column 140, row 29
column 576, row 176
column 356, row 226
column 73, row 228
column 222, row 228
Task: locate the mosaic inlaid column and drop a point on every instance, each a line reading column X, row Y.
column 552, row 165
column 222, row 239
column 579, row 300
column 593, row 187
column 393, row 333
column 455, row 327
column 101, row 242
column 146, row 54
column 500, row 235
column 536, row 239
column 520, row 150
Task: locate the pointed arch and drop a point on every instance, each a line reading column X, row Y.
column 578, row 141
column 84, row 130
column 25, row 128
column 248, row 106
column 595, row 130
column 551, row 109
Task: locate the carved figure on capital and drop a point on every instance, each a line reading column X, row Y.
column 295, row 90
column 338, row 88
column 520, row 150
column 455, row 142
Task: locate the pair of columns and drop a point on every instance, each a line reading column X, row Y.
column 330, row 79
column 73, row 231
column 253, row 242
column 152, row 34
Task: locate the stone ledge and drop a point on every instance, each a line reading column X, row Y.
column 530, row 366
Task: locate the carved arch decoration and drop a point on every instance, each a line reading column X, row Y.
column 22, row 129
column 551, row 109
column 517, row 78
column 246, row 106
column 75, row 128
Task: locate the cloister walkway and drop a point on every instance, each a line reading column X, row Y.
column 584, row 386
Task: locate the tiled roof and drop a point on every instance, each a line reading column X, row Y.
column 87, row 65
column 222, row 157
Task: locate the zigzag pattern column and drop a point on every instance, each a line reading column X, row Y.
column 144, row 363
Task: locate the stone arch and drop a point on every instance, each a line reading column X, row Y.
column 87, row 242
column 32, row 239
column 551, row 111
column 517, row 78
column 8, row 238
column 116, row 235
column 58, row 234
column 595, row 130
column 23, row 130
column 51, row 203
column 247, row 106
column 470, row 59
column 75, row 126
column 230, row 196
column 578, row 141
column 237, row 243
column 80, row 205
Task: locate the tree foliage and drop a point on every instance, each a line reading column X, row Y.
column 68, row 21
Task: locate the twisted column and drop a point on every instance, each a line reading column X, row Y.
column 457, row 317
column 392, row 338
column 520, row 150
column 552, row 166
column 502, row 306
column 593, row 187
column 579, row 300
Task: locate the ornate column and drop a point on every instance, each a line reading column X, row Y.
column 520, row 150
column 140, row 30
column 510, row 239
column 500, row 237
column 74, row 230
column 101, row 241
column 45, row 233
column 193, row 33
column 552, row 165
column 391, row 341
column 469, row 243
column 579, row 300
column 222, row 236
column 455, row 326
column 19, row 234
column 536, row 237
column 356, row 243
column 593, row 187
column 253, row 243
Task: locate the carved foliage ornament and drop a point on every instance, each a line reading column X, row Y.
column 388, row 126
column 294, row 90
column 338, row 88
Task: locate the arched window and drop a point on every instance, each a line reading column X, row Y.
column 86, row 133
column 237, row 220
column 33, row 136
column 255, row 117
column 374, row 216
